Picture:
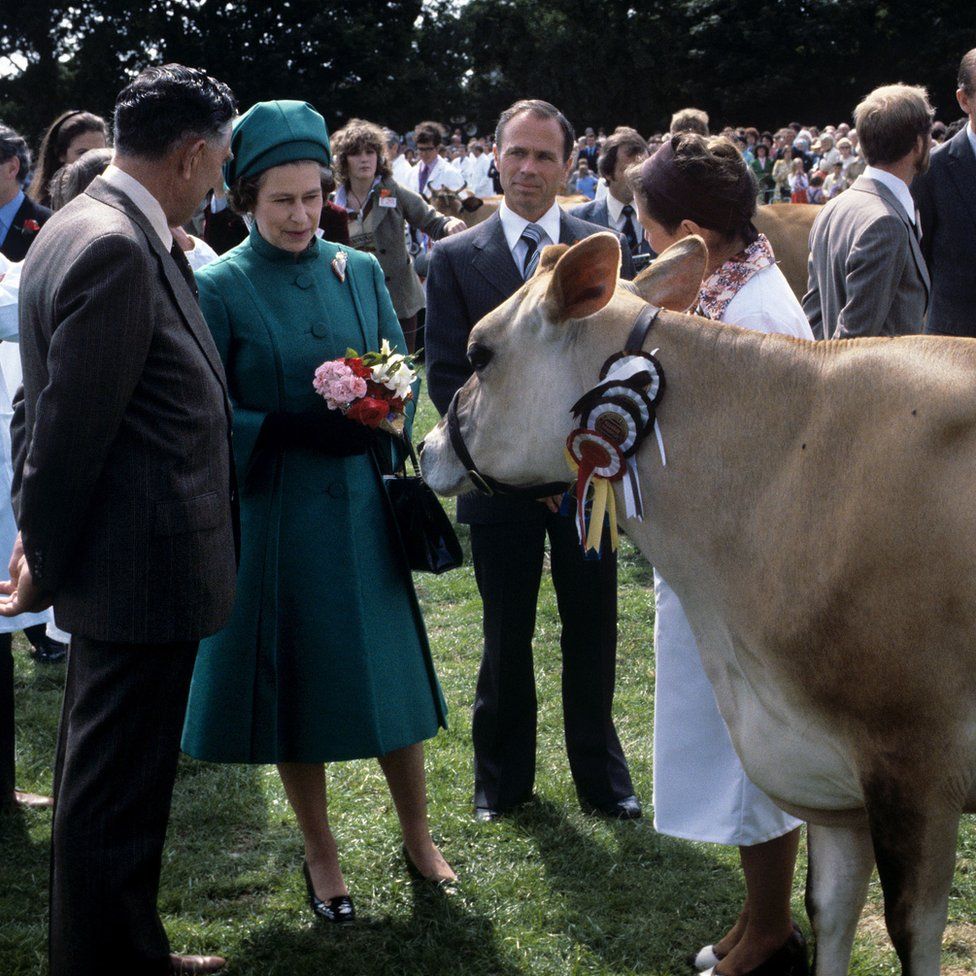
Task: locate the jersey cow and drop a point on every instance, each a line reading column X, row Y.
column 814, row 517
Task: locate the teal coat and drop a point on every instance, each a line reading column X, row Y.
column 325, row 656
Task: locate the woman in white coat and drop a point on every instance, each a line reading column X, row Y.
column 697, row 185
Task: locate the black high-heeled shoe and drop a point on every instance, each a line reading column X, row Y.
column 444, row 886
column 339, row 910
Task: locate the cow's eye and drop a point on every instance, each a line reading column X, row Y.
column 479, row 357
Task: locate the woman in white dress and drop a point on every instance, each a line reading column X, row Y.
column 698, row 185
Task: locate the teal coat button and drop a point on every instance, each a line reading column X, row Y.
column 320, row 329
column 304, row 280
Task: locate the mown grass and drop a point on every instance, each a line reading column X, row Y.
column 549, row 891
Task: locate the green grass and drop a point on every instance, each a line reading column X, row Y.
column 548, row 891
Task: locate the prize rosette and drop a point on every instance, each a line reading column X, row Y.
column 614, row 418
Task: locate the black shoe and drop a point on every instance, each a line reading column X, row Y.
column 46, row 650
column 789, row 960
column 487, row 814
column 628, row 808
column 338, row 910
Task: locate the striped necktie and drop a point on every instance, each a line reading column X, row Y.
column 532, row 235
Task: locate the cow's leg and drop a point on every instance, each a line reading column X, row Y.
column 914, row 839
column 840, row 865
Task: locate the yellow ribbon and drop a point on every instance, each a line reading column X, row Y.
column 604, row 504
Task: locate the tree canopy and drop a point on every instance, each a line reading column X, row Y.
column 603, row 62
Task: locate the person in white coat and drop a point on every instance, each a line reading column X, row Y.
column 432, row 172
column 10, row 797
column 699, row 185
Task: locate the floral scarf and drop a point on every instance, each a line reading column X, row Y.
column 723, row 284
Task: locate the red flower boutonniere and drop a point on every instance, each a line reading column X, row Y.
column 31, row 227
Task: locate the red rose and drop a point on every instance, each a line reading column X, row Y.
column 369, row 411
column 32, row 226
column 358, row 369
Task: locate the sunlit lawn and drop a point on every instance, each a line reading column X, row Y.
column 549, row 891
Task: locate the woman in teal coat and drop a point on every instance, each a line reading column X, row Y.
column 325, row 657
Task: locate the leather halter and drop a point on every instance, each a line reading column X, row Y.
column 491, row 486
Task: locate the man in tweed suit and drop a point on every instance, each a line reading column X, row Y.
column 471, row 274
column 125, row 509
column 867, row 274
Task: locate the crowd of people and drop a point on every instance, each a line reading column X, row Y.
column 173, row 479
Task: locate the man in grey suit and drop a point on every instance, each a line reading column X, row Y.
column 946, row 198
column 471, row 274
column 125, row 509
column 625, row 148
column 867, row 272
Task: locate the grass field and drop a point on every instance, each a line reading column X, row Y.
column 548, row 891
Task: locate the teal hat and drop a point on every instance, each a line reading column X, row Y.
column 271, row 133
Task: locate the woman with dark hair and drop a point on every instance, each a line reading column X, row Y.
column 69, row 137
column 378, row 207
column 703, row 186
column 325, row 657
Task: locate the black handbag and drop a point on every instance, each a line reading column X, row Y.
column 428, row 538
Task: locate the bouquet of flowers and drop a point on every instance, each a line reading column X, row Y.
column 372, row 389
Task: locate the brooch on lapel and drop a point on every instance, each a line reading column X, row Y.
column 339, row 265
column 30, row 228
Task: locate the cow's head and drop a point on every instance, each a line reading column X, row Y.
column 453, row 203
column 536, row 354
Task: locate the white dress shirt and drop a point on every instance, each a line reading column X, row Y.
column 897, row 186
column 617, row 219
column 143, row 199
column 513, row 225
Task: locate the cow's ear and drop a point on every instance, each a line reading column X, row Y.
column 471, row 204
column 584, row 278
column 673, row 279
column 551, row 253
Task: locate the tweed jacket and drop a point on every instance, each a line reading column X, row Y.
column 470, row 275
column 867, row 276
column 126, row 492
column 946, row 200
column 387, row 227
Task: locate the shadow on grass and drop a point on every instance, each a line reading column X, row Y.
column 435, row 939
column 635, row 899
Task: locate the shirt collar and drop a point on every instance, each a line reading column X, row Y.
column 972, row 136
column 8, row 211
column 614, row 208
column 513, row 224
column 144, row 201
column 899, row 187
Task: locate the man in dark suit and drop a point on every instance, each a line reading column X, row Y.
column 867, row 275
column 623, row 149
column 125, row 509
column 470, row 275
column 946, row 199
column 20, row 217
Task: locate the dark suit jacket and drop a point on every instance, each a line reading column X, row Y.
column 18, row 241
column 598, row 212
column 125, row 496
column 471, row 274
column 946, row 199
